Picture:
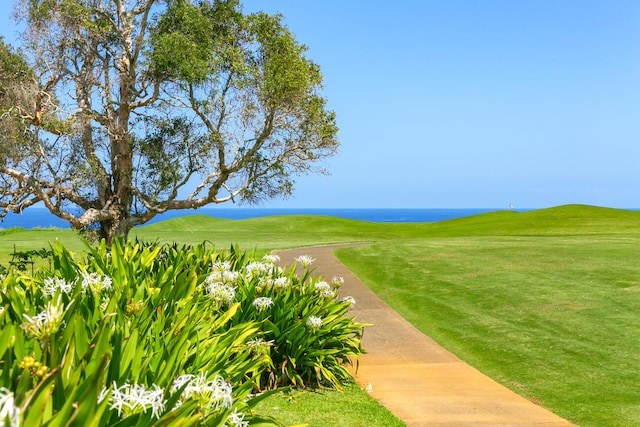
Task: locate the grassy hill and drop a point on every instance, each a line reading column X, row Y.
column 546, row 301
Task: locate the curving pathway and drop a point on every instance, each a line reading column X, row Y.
column 411, row 375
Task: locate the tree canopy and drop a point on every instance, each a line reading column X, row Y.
column 114, row 111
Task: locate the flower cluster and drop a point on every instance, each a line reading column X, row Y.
column 220, row 283
column 130, row 399
column 262, row 303
column 45, row 323
column 281, row 283
column 350, row 300
column 211, row 395
column 259, row 346
column 221, row 266
column 222, row 293
column 236, row 419
column 53, row 285
column 267, row 266
column 324, row 289
column 223, row 276
column 8, row 409
column 96, row 282
column 271, row 258
column 314, row 323
column 257, row 268
column 35, row 368
column 305, row 260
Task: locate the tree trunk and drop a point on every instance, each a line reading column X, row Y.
column 113, row 228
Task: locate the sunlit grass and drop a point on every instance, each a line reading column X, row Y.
column 545, row 301
column 351, row 408
column 554, row 319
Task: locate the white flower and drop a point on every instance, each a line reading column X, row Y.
column 224, row 276
column 350, row 300
column 47, row 322
column 271, row 259
column 305, row 260
column 221, row 266
column 51, row 285
column 211, row 395
column 222, row 293
column 324, row 289
column 130, row 399
column 262, row 303
column 96, row 282
column 338, row 280
column 8, row 409
column 257, row 268
column 314, row 323
column 259, row 345
column 236, row 419
column 281, row 283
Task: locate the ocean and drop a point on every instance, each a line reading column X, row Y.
column 41, row 218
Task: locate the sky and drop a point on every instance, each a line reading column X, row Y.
column 471, row 103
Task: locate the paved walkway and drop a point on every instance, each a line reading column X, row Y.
column 411, row 375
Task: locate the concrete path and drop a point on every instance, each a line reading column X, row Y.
column 411, row 375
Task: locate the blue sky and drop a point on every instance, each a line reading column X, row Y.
column 478, row 103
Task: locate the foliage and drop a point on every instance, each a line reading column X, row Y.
column 135, row 335
column 16, row 90
column 21, row 259
column 307, row 334
column 128, row 109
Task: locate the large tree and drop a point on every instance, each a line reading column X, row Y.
column 114, row 111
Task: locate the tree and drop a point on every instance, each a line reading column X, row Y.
column 118, row 110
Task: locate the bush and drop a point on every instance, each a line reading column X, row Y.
column 141, row 334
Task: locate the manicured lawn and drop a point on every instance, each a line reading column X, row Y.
column 546, row 302
column 554, row 318
column 351, row 408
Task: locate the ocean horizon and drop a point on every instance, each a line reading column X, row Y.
column 42, row 218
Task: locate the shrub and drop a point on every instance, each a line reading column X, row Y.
column 141, row 334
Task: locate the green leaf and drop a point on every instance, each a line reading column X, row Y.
column 35, row 406
column 129, row 352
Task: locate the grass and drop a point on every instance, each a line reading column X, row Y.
column 546, row 302
column 553, row 315
column 18, row 239
column 352, row 408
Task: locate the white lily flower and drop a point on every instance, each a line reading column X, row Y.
column 314, row 323
column 305, row 260
column 262, row 303
column 51, row 285
column 8, row 409
column 130, row 399
column 212, row 395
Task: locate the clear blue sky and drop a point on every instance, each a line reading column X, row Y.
column 477, row 103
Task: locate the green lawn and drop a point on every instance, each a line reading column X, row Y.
column 546, row 302
column 349, row 408
column 553, row 318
